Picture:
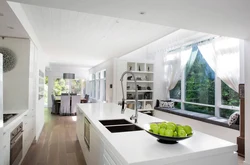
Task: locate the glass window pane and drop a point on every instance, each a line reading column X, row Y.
column 60, row 86
column 200, row 84
column 176, row 92
column 229, row 96
column 76, row 86
column 199, row 109
column 226, row 113
column 177, row 105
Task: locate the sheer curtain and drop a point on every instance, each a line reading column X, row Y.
column 223, row 56
column 174, row 64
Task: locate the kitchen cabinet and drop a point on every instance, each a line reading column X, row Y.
column 6, row 147
column 97, row 153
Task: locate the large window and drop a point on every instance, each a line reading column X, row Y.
column 199, row 90
column 66, row 86
column 97, row 85
column 60, row 86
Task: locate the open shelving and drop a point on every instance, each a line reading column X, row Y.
column 144, row 73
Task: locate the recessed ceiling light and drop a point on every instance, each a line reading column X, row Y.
column 10, row 27
column 1, row 14
column 142, row 12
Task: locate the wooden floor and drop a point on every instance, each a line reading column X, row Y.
column 57, row 144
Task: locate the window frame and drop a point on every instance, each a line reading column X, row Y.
column 218, row 103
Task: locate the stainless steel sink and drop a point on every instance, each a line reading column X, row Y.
column 114, row 122
column 119, row 125
column 123, row 128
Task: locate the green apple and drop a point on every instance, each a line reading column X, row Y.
column 182, row 133
column 175, row 134
column 164, row 125
column 156, row 130
column 152, row 125
column 162, row 131
column 171, row 126
column 188, row 129
column 179, row 127
column 169, row 132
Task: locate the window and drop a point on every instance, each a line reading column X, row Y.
column 229, row 96
column 198, row 84
column 176, row 92
column 76, row 86
column 97, row 85
column 60, row 86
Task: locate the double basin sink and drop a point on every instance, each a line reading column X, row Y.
column 119, row 125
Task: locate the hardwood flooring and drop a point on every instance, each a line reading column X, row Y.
column 57, row 144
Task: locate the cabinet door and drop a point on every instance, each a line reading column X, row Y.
column 96, row 147
column 6, row 147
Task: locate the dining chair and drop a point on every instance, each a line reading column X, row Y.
column 74, row 100
column 53, row 109
column 65, row 105
column 86, row 98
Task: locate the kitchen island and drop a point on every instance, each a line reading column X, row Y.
column 101, row 147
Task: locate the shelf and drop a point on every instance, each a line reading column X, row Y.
column 139, row 100
column 145, row 109
column 139, row 91
column 131, row 81
column 143, row 72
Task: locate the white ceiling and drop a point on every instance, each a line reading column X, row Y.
column 71, row 37
column 8, row 20
column 222, row 17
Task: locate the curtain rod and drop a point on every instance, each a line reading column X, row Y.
column 190, row 45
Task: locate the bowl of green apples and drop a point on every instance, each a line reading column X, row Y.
column 169, row 132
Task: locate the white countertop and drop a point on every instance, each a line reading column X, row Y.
column 139, row 147
column 12, row 121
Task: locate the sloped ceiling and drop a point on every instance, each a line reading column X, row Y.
column 86, row 39
column 9, row 23
column 220, row 17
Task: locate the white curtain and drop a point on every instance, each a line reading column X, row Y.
column 223, row 56
column 174, row 64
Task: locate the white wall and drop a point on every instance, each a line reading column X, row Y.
column 108, row 66
column 247, row 103
column 16, row 81
column 56, row 71
column 211, row 129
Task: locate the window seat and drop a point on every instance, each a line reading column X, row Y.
column 199, row 116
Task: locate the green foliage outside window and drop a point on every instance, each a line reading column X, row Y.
column 229, row 96
column 200, row 84
column 200, row 109
column 60, row 86
column 76, row 86
column 226, row 113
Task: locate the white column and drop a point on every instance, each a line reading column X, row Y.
column 247, row 102
column 50, row 87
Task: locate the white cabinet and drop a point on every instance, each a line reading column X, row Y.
column 6, row 147
column 98, row 153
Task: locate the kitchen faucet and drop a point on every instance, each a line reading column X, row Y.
column 133, row 117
